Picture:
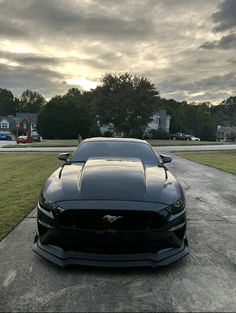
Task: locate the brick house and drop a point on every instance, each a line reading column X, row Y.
column 27, row 123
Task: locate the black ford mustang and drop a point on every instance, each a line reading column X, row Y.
column 113, row 203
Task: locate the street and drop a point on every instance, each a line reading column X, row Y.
column 22, row 148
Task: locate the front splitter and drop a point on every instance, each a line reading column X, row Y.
column 65, row 258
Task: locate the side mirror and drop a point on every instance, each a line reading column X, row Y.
column 165, row 158
column 63, row 156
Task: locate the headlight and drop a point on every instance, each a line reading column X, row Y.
column 50, row 206
column 46, row 205
column 177, row 206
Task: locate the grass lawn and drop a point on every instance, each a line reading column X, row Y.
column 161, row 142
column 22, row 176
column 74, row 143
column 223, row 160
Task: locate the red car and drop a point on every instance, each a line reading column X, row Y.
column 24, row 139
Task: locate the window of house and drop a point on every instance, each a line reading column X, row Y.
column 4, row 124
column 25, row 126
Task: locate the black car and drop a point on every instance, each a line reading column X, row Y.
column 113, row 203
column 180, row 136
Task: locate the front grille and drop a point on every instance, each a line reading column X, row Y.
column 117, row 220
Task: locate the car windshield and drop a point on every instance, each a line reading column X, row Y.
column 115, row 149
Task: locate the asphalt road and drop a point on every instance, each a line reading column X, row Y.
column 162, row 148
column 203, row 281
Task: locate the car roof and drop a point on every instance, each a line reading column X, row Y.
column 104, row 139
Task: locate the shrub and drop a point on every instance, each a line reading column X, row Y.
column 94, row 131
column 158, row 134
column 231, row 136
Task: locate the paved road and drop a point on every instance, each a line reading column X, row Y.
column 5, row 142
column 203, row 281
column 162, row 148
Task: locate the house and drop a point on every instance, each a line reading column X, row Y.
column 27, row 123
column 21, row 124
column 7, row 125
column 109, row 130
column 160, row 120
column 223, row 133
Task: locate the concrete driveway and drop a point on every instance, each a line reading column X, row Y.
column 203, row 281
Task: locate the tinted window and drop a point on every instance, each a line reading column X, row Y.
column 116, row 149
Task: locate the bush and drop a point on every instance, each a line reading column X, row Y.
column 137, row 133
column 231, row 136
column 107, row 133
column 94, row 131
column 158, row 134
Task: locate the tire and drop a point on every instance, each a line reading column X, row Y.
column 188, row 139
column 174, row 138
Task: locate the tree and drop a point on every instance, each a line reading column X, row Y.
column 73, row 92
column 191, row 118
column 31, row 101
column 8, row 102
column 225, row 112
column 64, row 117
column 94, row 131
column 126, row 101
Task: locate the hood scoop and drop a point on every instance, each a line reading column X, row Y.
column 105, row 179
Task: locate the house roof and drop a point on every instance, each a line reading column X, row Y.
column 31, row 117
column 10, row 119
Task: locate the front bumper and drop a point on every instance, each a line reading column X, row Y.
column 64, row 258
column 65, row 246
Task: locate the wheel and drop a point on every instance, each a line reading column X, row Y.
column 188, row 139
column 174, row 138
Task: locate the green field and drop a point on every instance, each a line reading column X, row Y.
column 223, row 160
column 22, row 176
column 75, row 142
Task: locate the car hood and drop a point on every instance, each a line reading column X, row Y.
column 104, row 179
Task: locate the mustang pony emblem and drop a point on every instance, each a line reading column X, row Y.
column 111, row 218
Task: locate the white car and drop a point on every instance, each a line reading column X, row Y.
column 195, row 138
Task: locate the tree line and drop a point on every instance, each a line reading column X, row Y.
column 125, row 100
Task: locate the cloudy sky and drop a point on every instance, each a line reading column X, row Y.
column 186, row 48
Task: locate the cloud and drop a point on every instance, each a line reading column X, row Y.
column 10, row 29
column 226, row 42
column 45, row 43
column 218, row 82
column 225, row 18
column 213, row 88
column 73, row 19
column 36, row 78
column 29, row 58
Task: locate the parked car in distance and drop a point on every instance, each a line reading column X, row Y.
column 193, row 138
column 36, row 137
column 4, row 136
column 180, row 136
column 24, row 139
column 112, row 203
